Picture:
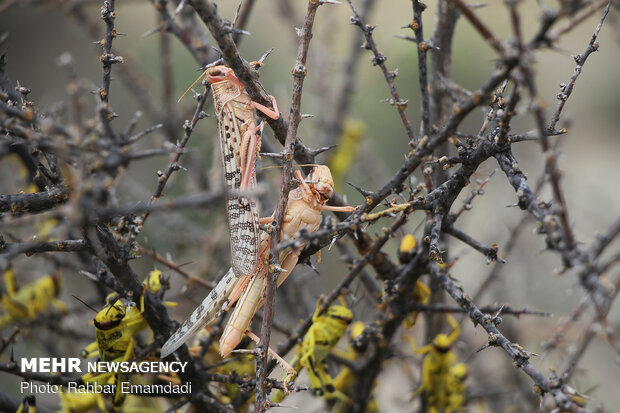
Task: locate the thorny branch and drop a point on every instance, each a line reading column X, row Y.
column 299, row 72
column 379, row 60
column 78, row 169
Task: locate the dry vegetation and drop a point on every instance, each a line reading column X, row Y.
column 88, row 194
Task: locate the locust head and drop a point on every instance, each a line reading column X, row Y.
column 155, row 281
column 442, row 343
column 320, row 179
column 109, row 317
column 221, row 73
column 459, row 371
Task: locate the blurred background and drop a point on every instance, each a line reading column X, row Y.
column 41, row 34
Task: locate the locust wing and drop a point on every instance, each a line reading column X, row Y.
column 241, row 210
column 210, row 308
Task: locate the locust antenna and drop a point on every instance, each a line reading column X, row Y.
column 86, row 304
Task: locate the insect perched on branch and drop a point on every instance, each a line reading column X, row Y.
column 303, row 211
column 443, row 377
column 344, row 381
column 322, row 336
column 116, row 327
column 31, row 300
column 240, row 143
column 421, row 292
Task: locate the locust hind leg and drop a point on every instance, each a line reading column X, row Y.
column 251, row 141
column 250, row 146
column 119, row 378
column 239, row 288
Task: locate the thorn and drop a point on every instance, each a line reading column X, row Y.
column 430, row 46
column 179, row 8
column 317, row 151
column 243, row 351
column 487, row 345
column 263, row 57
column 239, row 31
column 311, row 265
column 499, row 311
column 282, row 405
column 360, row 190
column 278, row 155
column 151, row 32
column 212, row 64
column 89, row 275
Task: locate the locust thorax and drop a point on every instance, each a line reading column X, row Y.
column 340, row 313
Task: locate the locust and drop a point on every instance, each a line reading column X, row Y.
column 324, row 333
column 240, row 141
column 116, row 327
column 31, row 300
column 303, row 211
column 443, row 377
column 343, row 383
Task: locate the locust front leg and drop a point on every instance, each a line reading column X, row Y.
column 337, row 208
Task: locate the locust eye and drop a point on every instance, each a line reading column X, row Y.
column 216, row 72
column 107, row 324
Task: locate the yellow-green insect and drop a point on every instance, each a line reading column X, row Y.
column 421, row 293
column 442, row 381
column 324, row 333
column 457, row 388
column 31, row 300
column 345, row 379
column 116, row 326
column 81, row 402
column 28, row 405
column 344, row 156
